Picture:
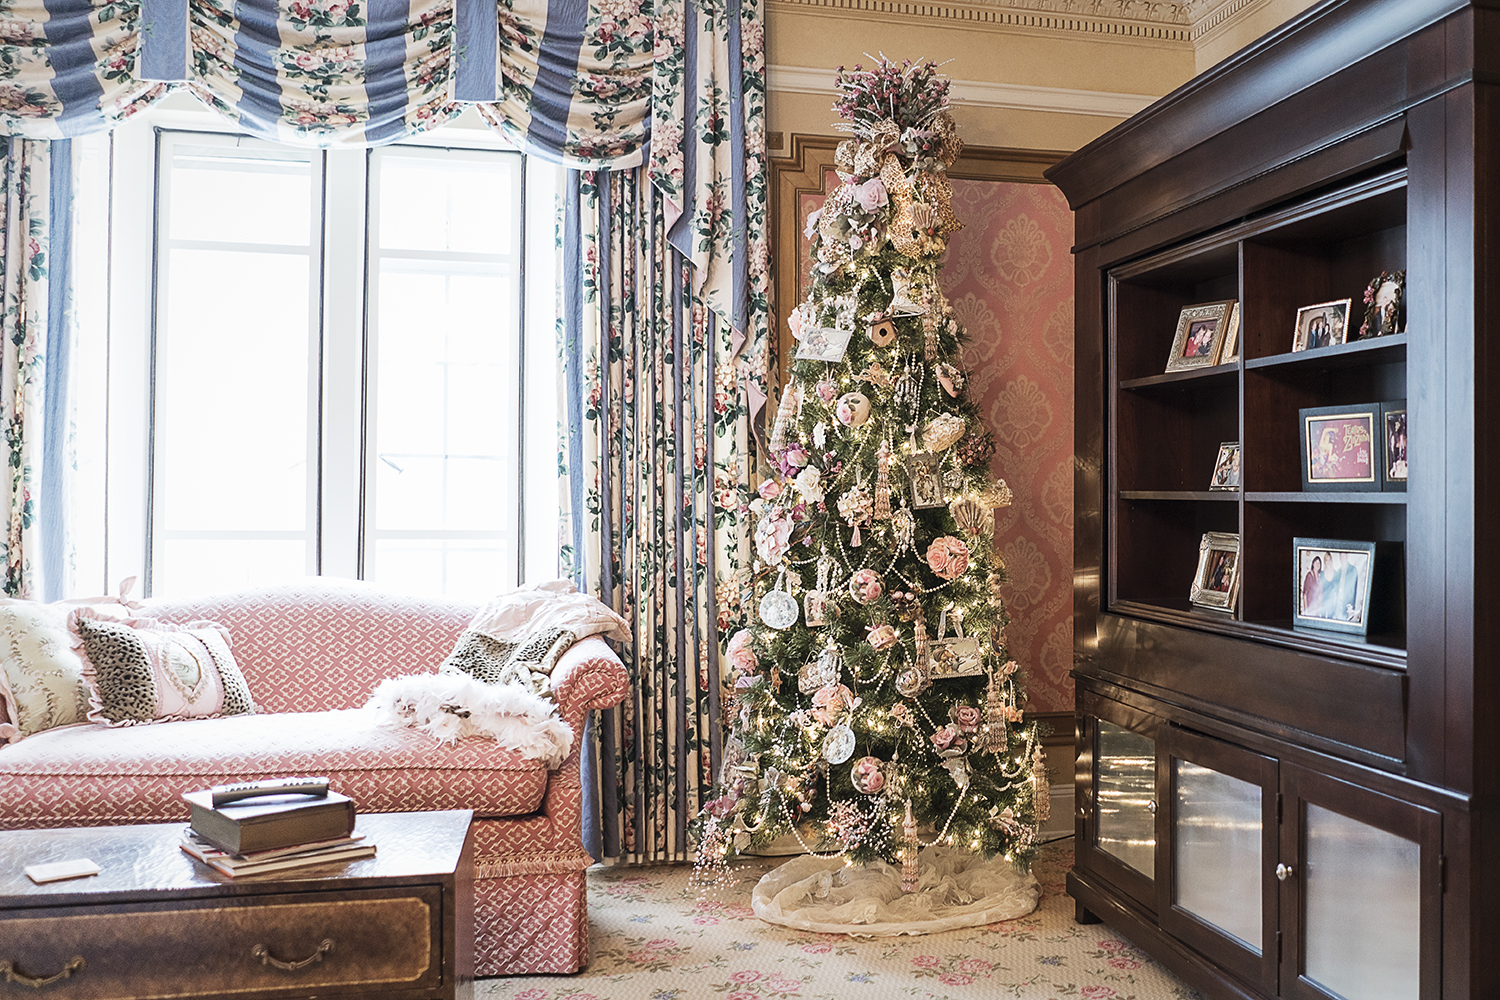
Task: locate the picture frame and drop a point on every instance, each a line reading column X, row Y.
column 1200, row 335
column 1331, row 584
column 1226, row 474
column 1231, row 349
column 1216, row 584
column 1355, row 587
column 1393, row 446
column 924, row 471
column 1324, row 324
column 1385, row 305
column 1340, row 447
column 961, row 657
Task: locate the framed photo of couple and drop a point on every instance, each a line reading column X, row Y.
column 1216, row 584
column 1346, row 586
column 1202, row 333
column 1321, row 325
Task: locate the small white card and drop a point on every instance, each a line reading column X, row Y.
column 56, row 871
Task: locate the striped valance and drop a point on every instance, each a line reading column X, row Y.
column 570, row 79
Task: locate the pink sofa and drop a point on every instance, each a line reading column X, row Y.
column 310, row 654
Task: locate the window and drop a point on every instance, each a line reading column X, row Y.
column 336, row 362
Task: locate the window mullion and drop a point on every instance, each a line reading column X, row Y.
column 344, row 362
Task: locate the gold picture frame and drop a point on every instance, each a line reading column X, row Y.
column 1200, row 336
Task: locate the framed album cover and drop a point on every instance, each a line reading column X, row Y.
column 1341, row 447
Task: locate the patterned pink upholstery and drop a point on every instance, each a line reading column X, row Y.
column 325, row 643
column 318, row 648
column 138, row 774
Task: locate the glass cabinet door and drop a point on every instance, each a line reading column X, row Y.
column 1220, row 833
column 1125, row 790
column 1360, row 892
column 1120, row 772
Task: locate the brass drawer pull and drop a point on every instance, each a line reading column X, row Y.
column 13, row 975
column 263, row 953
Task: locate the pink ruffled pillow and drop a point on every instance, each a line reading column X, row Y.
column 146, row 670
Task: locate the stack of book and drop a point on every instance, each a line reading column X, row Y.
column 271, row 829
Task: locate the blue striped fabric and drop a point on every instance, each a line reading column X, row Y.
column 476, row 61
column 552, row 93
column 385, row 70
column 163, row 52
column 70, row 55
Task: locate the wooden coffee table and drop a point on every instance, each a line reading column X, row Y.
column 156, row 923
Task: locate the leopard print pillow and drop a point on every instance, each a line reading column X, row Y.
column 149, row 671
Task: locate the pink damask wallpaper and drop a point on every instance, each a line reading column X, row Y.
column 1009, row 276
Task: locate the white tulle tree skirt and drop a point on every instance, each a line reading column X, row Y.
column 830, row 896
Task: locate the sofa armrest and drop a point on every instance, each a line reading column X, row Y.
column 588, row 676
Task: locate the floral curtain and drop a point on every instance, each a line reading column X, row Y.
column 666, row 363
column 32, row 318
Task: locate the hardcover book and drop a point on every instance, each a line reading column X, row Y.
column 348, row 848
column 271, row 821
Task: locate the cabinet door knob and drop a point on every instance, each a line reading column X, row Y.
column 1283, row 872
column 1151, row 807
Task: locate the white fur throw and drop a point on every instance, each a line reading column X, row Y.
column 452, row 706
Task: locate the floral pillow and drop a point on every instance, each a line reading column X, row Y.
column 42, row 683
column 145, row 670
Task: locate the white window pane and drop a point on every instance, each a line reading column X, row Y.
column 232, row 407
column 464, row 568
column 188, row 566
column 1217, row 848
column 239, row 199
column 437, row 202
column 1364, row 909
column 441, row 493
column 446, row 369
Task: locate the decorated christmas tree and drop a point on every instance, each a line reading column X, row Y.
column 874, row 709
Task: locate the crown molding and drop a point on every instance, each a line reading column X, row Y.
column 1126, row 20
column 1168, row 21
column 978, row 94
column 1210, row 15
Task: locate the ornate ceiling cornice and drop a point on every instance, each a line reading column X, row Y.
column 1182, row 21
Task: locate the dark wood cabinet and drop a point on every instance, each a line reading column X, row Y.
column 1340, row 786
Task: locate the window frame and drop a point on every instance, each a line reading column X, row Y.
column 342, row 344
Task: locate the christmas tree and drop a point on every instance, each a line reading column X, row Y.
column 874, row 709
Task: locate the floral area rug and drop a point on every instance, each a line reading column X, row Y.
column 653, row 938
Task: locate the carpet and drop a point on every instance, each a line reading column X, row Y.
column 653, row 938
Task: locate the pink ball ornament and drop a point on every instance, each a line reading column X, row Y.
column 853, row 409
column 866, row 586
column 867, row 776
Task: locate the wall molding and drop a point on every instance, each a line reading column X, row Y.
column 978, row 94
column 1181, row 22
